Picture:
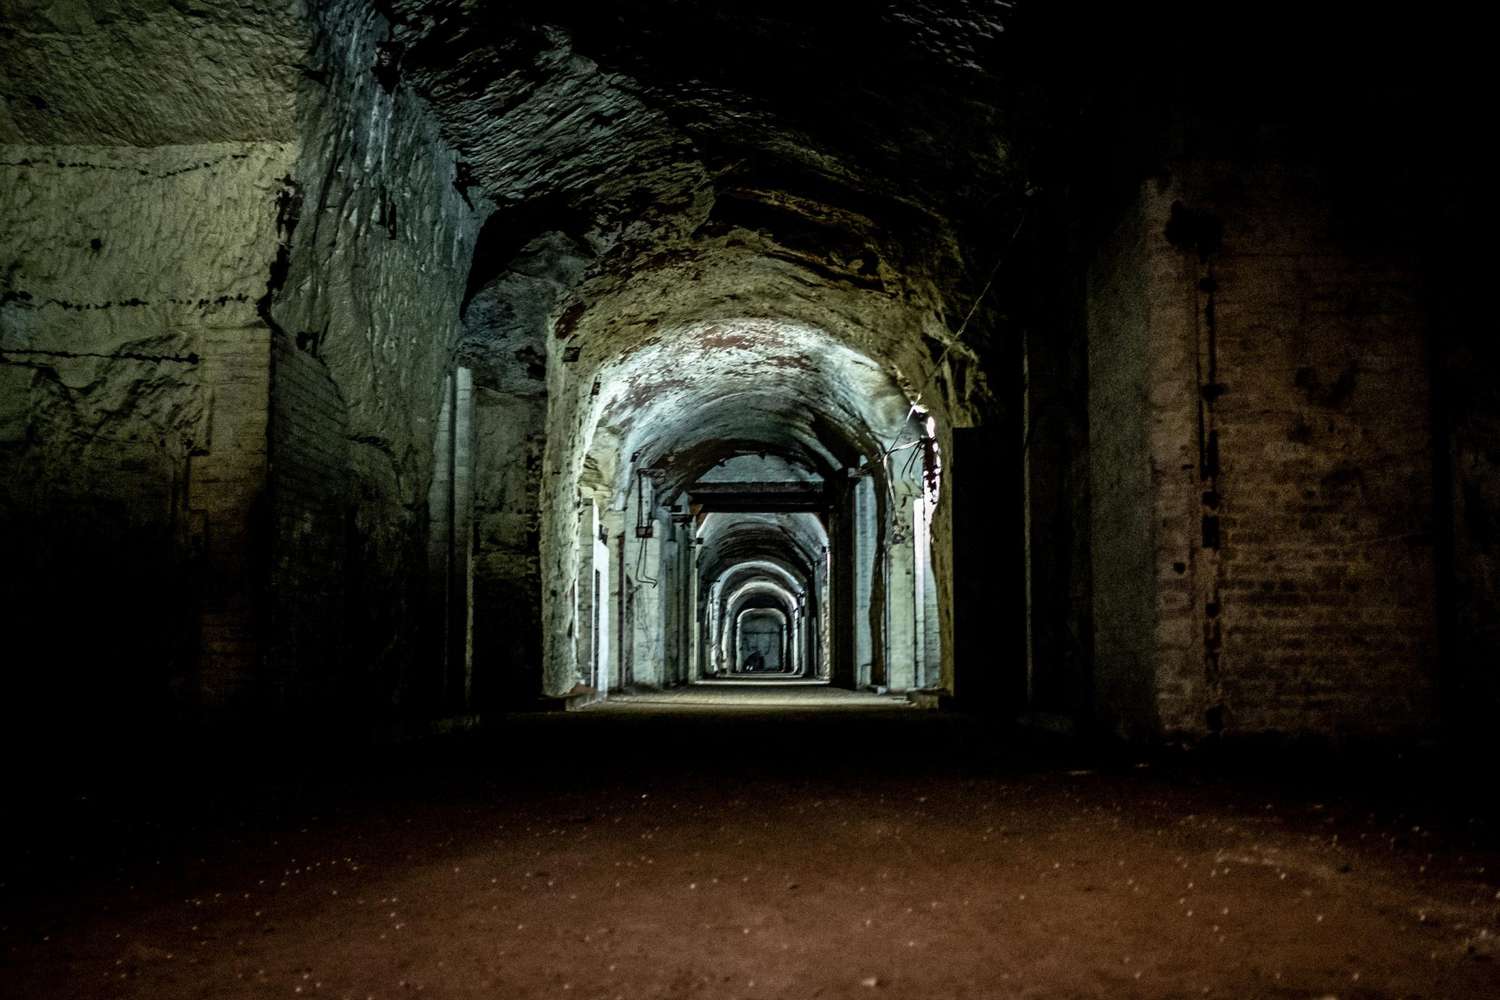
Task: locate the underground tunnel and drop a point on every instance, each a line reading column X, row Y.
column 961, row 498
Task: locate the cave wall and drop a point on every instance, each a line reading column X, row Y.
column 514, row 285
column 229, row 301
column 377, row 239
column 309, row 489
column 510, row 437
column 1261, row 445
column 224, row 328
column 135, row 376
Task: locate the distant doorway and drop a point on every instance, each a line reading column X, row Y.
column 762, row 641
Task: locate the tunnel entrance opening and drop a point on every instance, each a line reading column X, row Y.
column 762, row 635
column 765, row 596
column 759, row 503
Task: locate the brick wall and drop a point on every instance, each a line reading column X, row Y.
column 309, row 490
column 1275, row 368
column 1327, row 576
column 226, row 502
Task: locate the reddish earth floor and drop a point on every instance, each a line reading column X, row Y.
column 697, row 847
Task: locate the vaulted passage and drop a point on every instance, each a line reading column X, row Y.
column 803, row 444
column 764, row 497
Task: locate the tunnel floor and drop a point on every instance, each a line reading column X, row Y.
column 749, row 694
column 749, row 852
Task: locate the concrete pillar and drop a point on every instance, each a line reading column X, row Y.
column 725, row 632
column 603, row 640
column 615, row 529
column 440, row 536
column 932, row 667
column 667, row 594
column 930, row 661
column 450, row 504
column 864, row 556
column 919, row 551
column 713, row 640
column 694, row 615
column 900, row 597
column 732, row 620
column 805, row 647
column 674, row 611
column 794, row 641
column 461, row 559
column 825, row 615
column 585, row 618
column 643, row 599
column 682, row 593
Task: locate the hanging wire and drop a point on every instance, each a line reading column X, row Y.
column 640, row 566
column 963, row 327
column 910, row 461
column 643, row 519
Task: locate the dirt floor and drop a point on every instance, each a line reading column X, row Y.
column 728, row 843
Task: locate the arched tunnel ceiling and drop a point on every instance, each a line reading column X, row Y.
column 747, row 468
column 771, row 569
column 700, row 395
column 804, row 164
column 736, row 593
column 764, row 607
column 890, row 103
column 757, row 589
column 794, row 541
column 759, row 594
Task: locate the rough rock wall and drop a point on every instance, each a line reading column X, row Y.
column 377, row 240
column 147, row 73
column 514, row 285
column 309, row 485
column 703, row 199
column 221, row 360
column 510, row 437
column 134, row 370
column 1285, row 584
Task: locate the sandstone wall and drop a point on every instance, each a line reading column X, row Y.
column 517, row 280
column 133, row 386
column 309, row 486
column 220, row 368
column 377, row 243
column 510, row 437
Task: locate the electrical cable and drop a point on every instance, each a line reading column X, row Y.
column 643, row 519
column 958, row 335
